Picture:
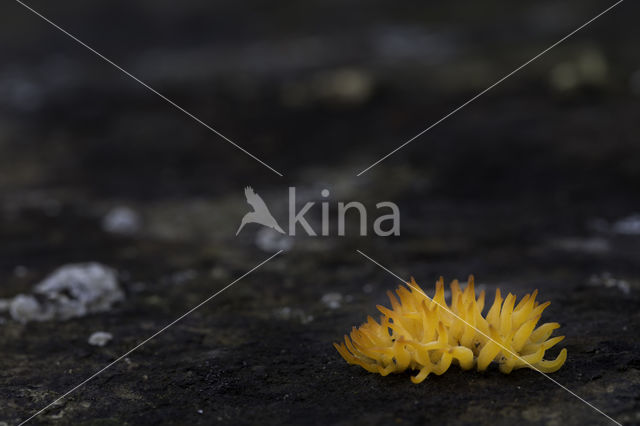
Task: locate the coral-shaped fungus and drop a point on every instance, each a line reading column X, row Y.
column 428, row 335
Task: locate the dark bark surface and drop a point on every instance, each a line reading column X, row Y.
column 526, row 188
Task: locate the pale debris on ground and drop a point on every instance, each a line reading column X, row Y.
column 121, row 220
column 73, row 290
column 100, row 338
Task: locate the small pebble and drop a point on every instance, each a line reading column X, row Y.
column 100, row 338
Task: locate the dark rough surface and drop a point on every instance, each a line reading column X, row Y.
column 522, row 188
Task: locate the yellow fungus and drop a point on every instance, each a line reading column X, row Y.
column 428, row 335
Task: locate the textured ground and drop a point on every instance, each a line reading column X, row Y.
column 526, row 189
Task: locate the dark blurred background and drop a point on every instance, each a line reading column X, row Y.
column 534, row 185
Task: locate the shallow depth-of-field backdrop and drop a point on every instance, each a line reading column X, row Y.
column 534, row 185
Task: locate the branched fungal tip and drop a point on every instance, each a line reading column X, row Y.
column 428, row 335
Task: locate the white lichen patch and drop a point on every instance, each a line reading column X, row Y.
column 73, row 290
column 79, row 289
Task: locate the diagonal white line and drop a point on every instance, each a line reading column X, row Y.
column 491, row 87
column 149, row 87
column 488, row 337
column 147, row 339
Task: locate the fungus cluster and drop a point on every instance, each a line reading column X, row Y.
column 428, row 335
